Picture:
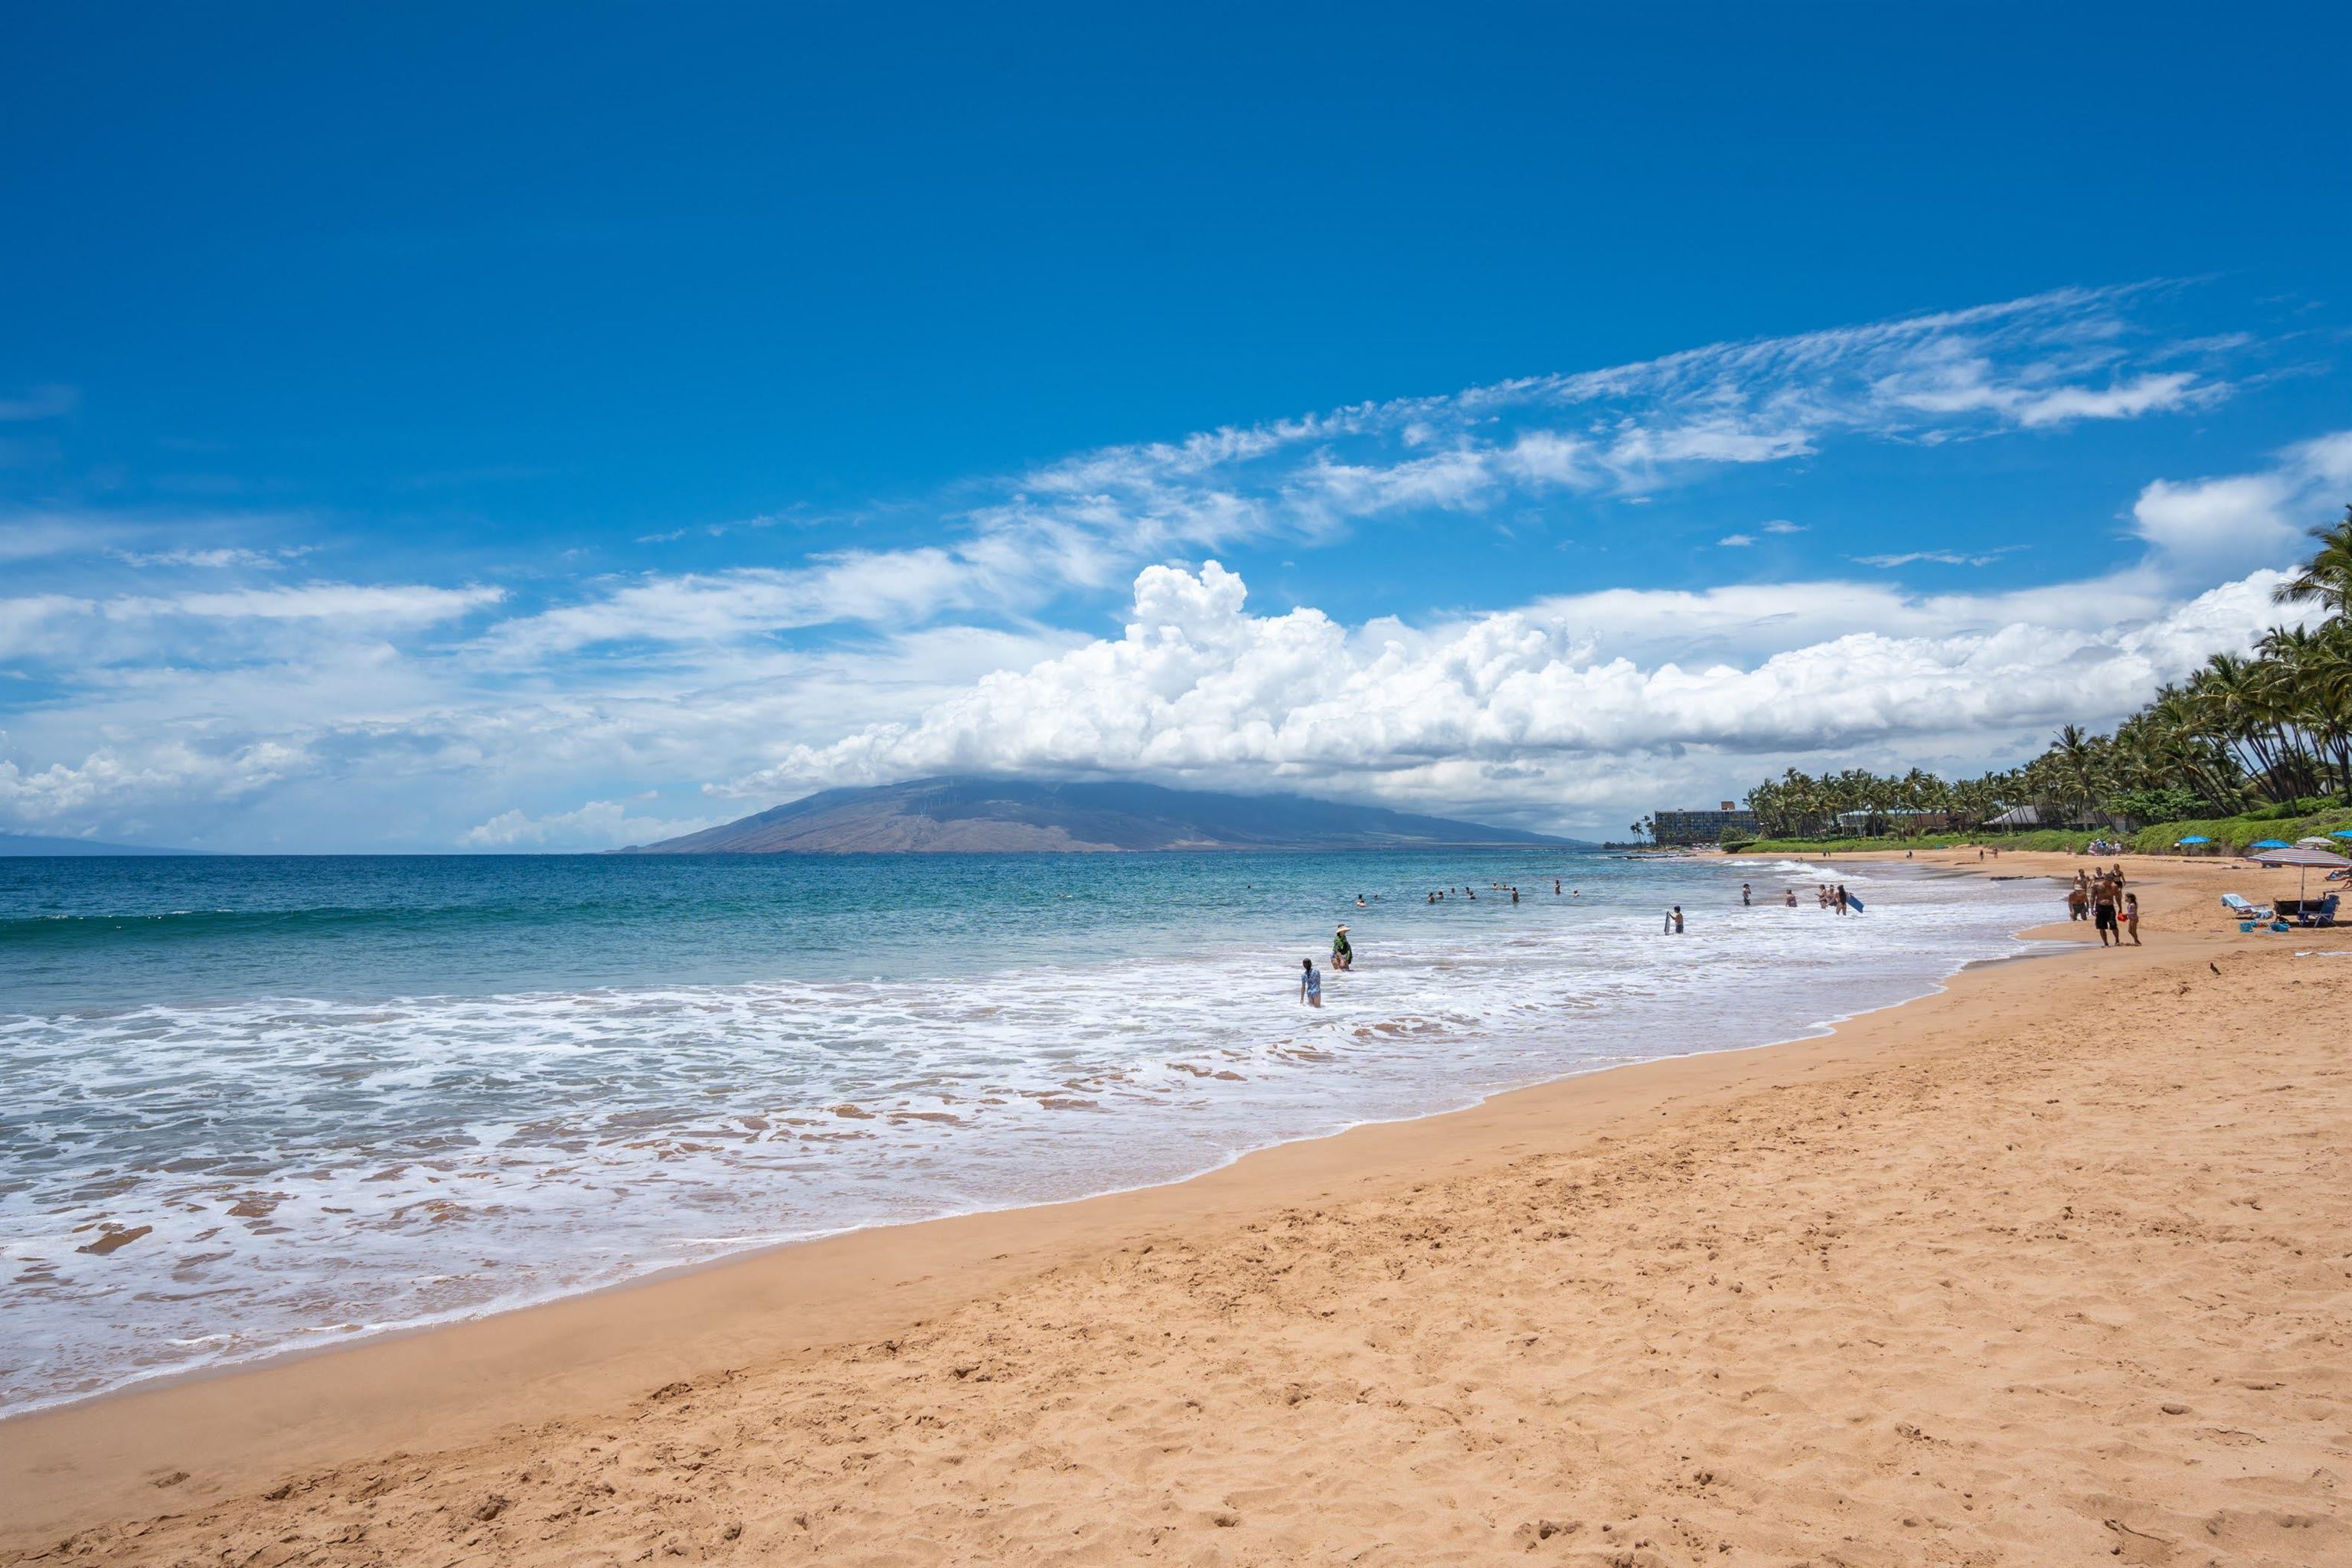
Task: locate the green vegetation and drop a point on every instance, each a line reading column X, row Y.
column 2247, row 748
column 2230, row 834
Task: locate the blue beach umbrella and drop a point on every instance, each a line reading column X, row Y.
column 2194, row 838
column 2341, row 833
column 2266, row 844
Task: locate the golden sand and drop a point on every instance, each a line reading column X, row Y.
column 2054, row 1267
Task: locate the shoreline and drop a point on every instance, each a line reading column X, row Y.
column 366, row 1335
column 806, row 1316
column 603, row 1330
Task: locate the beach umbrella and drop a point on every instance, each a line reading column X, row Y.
column 2192, row 839
column 2314, row 842
column 2272, row 844
column 2302, row 861
column 2341, row 833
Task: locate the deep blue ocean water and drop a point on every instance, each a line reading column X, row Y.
column 339, row 1094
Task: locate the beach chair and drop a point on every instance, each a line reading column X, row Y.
column 2249, row 915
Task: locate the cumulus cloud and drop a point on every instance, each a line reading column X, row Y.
column 166, row 775
column 2213, row 525
column 1737, row 541
column 1505, row 708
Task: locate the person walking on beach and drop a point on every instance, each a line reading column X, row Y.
column 1310, row 984
column 2078, row 902
column 2131, row 916
column 2103, row 914
column 1343, row 956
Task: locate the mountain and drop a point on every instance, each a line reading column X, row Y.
column 948, row 816
column 40, row 844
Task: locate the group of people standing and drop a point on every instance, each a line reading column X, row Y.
column 2099, row 897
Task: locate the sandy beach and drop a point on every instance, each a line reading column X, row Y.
column 2052, row 1267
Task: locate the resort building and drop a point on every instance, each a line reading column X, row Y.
column 1700, row 827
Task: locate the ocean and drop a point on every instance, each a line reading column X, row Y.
column 325, row 1096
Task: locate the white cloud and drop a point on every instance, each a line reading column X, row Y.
column 374, row 604
column 1507, row 709
column 169, row 774
column 598, row 824
column 2215, row 521
column 1088, row 522
column 1940, row 557
column 212, row 558
column 2126, row 400
column 902, row 586
column 1782, row 525
column 1737, row 541
column 40, row 403
column 2215, row 525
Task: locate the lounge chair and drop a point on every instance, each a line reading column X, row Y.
column 2237, row 905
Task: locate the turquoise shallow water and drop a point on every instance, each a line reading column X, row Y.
column 343, row 1094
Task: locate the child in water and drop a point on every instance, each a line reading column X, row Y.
column 1310, row 984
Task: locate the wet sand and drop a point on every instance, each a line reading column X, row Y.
column 2054, row 1267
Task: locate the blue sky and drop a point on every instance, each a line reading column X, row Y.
column 533, row 428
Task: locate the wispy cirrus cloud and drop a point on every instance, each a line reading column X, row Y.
column 47, row 402
column 1085, row 523
column 1940, row 557
column 219, row 558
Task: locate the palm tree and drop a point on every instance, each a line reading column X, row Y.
column 2327, row 575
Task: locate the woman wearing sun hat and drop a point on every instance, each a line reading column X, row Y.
column 1342, row 956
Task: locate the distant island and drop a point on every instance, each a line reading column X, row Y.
column 982, row 815
column 46, row 844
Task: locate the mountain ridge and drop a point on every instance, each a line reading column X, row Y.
column 42, row 843
column 972, row 814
